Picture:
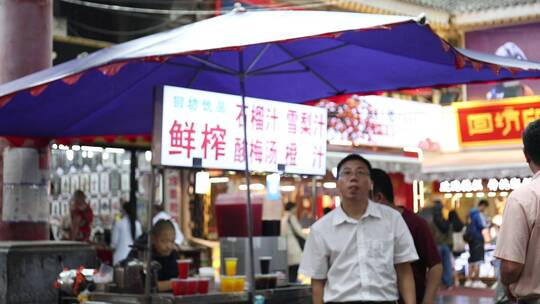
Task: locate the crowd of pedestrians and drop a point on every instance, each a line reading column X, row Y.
column 368, row 250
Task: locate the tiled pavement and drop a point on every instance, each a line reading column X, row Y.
column 463, row 295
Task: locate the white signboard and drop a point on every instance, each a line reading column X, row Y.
column 385, row 122
column 205, row 129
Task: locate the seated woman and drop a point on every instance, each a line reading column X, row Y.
column 163, row 252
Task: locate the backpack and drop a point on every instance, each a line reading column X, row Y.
column 458, row 243
column 457, row 224
column 468, row 235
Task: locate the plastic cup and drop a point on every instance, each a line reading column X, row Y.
column 239, row 282
column 175, row 286
column 272, row 281
column 183, row 268
column 227, row 284
column 230, row 266
column 261, row 282
column 179, row 287
column 191, row 286
column 202, row 285
column 208, row 273
column 265, row 264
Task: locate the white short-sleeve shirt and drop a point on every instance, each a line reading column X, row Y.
column 357, row 257
column 121, row 238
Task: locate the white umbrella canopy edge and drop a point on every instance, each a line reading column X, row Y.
column 225, row 31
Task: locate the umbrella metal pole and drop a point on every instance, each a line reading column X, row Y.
column 148, row 253
column 314, row 199
column 251, row 273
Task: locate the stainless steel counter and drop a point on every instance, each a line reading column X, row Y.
column 300, row 294
column 168, row 298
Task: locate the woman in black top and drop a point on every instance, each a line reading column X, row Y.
column 163, row 251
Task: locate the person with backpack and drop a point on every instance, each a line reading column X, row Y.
column 475, row 239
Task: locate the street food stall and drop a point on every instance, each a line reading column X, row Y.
column 214, row 140
column 292, row 56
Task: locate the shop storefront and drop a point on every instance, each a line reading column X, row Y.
column 463, row 192
column 108, row 177
column 488, row 161
column 486, row 164
column 103, row 174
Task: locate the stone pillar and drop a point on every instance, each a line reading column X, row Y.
column 25, row 37
column 25, row 47
column 24, row 203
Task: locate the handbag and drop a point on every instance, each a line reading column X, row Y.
column 458, row 242
column 301, row 240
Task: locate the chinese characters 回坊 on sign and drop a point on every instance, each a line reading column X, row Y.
column 209, row 126
column 495, row 122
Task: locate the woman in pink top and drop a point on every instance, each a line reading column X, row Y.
column 81, row 218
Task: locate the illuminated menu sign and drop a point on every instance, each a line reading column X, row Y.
column 382, row 121
column 194, row 128
column 495, row 122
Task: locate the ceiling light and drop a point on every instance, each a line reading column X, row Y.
column 329, row 185
column 217, row 180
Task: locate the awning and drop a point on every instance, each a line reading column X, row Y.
column 410, row 167
column 475, row 164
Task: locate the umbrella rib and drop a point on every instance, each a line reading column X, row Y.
column 280, row 72
column 309, row 69
column 197, row 73
column 197, row 67
column 258, row 57
column 213, row 65
column 297, row 59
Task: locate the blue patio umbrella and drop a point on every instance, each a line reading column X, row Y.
column 291, row 56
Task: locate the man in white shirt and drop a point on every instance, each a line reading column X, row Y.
column 361, row 251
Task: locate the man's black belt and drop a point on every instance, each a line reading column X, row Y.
column 363, row 302
column 529, row 300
